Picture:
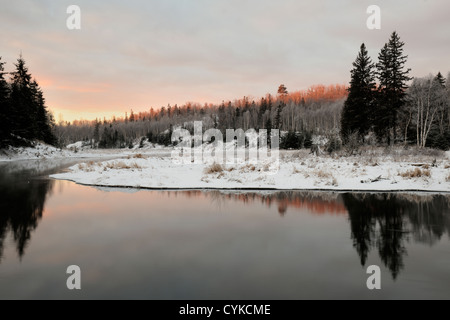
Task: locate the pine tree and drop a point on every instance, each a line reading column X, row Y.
column 440, row 79
column 278, row 115
column 392, row 78
column 381, row 115
column 5, row 122
column 97, row 130
column 261, row 112
column 43, row 121
column 268, row 126
column 23, row 111
column 282, row 91
column 356, row 115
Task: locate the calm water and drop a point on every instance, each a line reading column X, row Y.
column 212, row 245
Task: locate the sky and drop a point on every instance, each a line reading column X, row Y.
column 140, row 54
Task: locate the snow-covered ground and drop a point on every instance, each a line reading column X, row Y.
column 76, row 150
column 298, row 170
column 39, row 151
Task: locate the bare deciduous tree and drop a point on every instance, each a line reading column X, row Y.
column 425, row 98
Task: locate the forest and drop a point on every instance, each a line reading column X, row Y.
column 316, row 110
column 382, row 106
column 23, row 114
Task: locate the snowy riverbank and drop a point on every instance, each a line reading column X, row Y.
column 42, row 151
column 298, row 170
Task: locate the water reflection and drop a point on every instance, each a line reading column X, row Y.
column 381, row 223
column 21, row 208
column 386, row 222
column 22, row 198
column 313, row 202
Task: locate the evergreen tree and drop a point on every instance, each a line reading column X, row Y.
column 381, row 115
column 5, row 122
column 23, row 111
column 392, row 78
column 356, row 115
column 262, row 110
column 282, row 91
column 278, row 115
column 44, row 122
column 439, row 78
column 269, row 129
column 97, row 130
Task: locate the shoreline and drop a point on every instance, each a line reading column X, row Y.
column 250, row 189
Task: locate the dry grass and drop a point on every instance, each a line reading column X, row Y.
column 214, row 168
column 122, row 165
column 323, row 174
column 295, row 170
column 416, row 173
column 248, row 167
column 88, row 166
column 447, row 166
column 139, row 156
column 326, row 176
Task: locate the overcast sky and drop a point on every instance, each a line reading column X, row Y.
column 139, row 54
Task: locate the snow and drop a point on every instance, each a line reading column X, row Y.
column 39, row 151
column 79, row 145
column 297, row 171
column 77, row 150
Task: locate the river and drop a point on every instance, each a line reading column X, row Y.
column 142, row 244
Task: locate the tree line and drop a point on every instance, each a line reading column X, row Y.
column 299, row 114
column 381, row 105
column 23, row 113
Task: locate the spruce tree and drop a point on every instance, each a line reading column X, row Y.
column 5, row 121
column 268, row 126
column 43, row 123
column 381, row 114
column 261, row 112
column 278, row 115
column 439, row 78
column 356, row 115
column 392, row 77
column 23, row 111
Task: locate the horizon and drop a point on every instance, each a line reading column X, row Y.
column 140, row 55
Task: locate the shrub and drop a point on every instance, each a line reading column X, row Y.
column 416, row 173
column 214, row 168
column 334, row 144
column 352, row 143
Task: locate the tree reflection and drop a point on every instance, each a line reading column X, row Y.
column 384, row 222
column 21, row 207
column 387, row 222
